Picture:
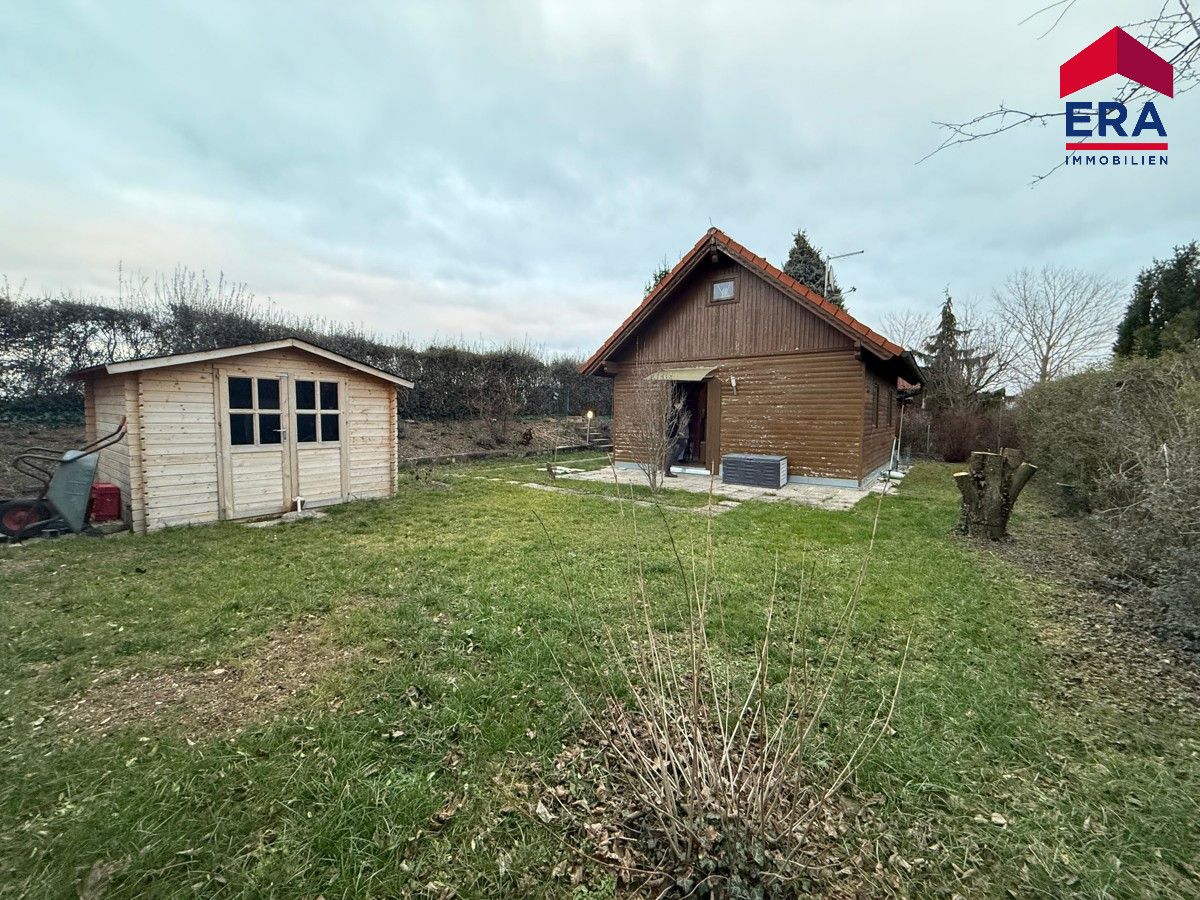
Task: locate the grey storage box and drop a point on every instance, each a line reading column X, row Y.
column 754, row 470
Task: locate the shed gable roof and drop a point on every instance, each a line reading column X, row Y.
column 183, row 359
column 716, row 239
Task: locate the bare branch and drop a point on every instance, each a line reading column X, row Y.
column 1173, row 33
column 909, row 328
column 1060, row 319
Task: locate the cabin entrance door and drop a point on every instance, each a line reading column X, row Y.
column 695, row 400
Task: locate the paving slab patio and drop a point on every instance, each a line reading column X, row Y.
column 819, row 496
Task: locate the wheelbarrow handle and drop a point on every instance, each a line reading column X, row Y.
column 33, row 462
column 28, row 466
column 107, row 441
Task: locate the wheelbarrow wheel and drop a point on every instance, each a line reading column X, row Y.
column 20, row 518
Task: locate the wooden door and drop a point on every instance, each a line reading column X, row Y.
column 320, row 445
column 712, row 425
column 255, row 458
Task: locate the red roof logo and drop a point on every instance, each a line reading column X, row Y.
column 1116, row 53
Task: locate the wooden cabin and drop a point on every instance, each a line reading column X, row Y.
column 243, row 431
column 764, row 365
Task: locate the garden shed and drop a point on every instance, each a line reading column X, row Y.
column 763, row 365
column 243, row 431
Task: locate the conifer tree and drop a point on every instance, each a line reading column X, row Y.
column 806, row 264
column 954, row 370
column 1164, row 312
column 655, row 277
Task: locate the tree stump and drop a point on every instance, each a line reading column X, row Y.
column 989, row 489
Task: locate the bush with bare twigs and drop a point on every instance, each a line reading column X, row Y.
column 1127, row 440
column 651, row 417
column 702, row 774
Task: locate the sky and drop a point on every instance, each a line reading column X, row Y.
column 514, row 171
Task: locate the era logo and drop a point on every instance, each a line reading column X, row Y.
column 1115, row 53
column 1111, row 115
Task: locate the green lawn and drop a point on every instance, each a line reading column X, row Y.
column 448, row 602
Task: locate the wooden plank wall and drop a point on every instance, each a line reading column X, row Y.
column 877, row 438
column 177, row 416
column 175, row 437
column 256, row 482
column 371, row 423
column 761, row 321
column 104, row 405
column 806, row 406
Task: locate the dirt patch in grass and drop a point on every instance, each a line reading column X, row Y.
column 17, row 438
column 419, row 439
column 217, row 698
column 1109, row 646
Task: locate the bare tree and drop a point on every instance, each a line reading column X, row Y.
column 995, row 345
column 908, row 327
column 1173, row 33
column 1060, row 319
column 650, row 419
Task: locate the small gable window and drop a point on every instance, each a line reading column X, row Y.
column 723, row 291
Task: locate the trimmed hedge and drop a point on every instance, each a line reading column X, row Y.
column 41, row 340
column 1127, row 439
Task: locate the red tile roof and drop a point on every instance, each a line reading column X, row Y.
column 714, row 237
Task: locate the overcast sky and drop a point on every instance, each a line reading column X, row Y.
column 516, row 170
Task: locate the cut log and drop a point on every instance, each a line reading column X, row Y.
column 989, row 489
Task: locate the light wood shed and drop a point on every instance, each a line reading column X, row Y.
column 243, row 431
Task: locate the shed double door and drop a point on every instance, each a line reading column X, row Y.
column 281, row 440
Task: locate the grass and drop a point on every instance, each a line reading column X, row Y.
column 392, row 776
column 531, row 472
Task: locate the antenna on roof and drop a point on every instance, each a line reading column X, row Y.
column 829, row 259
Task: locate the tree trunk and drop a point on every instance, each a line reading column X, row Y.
column 989, row 489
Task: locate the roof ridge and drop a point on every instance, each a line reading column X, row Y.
column 763, row 266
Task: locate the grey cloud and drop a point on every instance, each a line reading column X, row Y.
column 516, row 169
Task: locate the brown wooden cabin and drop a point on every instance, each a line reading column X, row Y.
column 241, row 432
column 764, row 364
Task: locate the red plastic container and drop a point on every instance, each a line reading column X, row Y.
column 106, row 502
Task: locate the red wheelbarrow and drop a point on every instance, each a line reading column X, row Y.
column 66, row 488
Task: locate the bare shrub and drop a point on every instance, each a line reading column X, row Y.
column 651, row 417
column 1128, row 438
column 707, row 774
column 955, row 434
column 44, row 338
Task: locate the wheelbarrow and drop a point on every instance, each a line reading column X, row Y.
column 66, row 480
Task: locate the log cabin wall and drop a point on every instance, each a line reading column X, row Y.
column 880, row 415
column 804, row 406
column 799, row 384
column 781, row 378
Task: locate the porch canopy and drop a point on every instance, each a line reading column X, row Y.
column 694, row 374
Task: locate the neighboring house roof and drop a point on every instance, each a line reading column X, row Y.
column 714, row 238
column 182, row 359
